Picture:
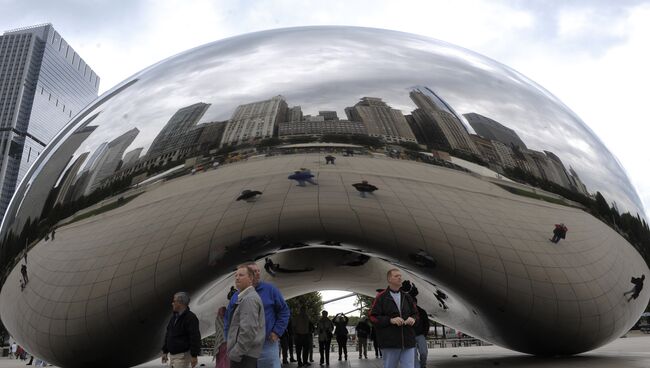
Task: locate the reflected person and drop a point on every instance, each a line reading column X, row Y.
column 324, row 328
column 276, row 316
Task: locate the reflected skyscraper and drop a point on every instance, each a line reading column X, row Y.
column 256, row 120
column 43, row 83
column 490, row 129
column 110, row 159
column 180, row 123
column 381, row 120
column 436, row 115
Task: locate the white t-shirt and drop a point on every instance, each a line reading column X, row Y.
column 14, row 347
column 397, row 297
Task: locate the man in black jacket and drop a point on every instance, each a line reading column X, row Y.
column 183, row 339
column 393, row 313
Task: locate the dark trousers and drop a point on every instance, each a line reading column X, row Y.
column 342, row 340
column 246, row 362
column 302, row 347
column 375, row 345
column 287, row 344
column 324, row 350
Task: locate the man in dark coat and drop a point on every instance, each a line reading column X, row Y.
column 183, row 338
column 393, row 313
column 364, row 188
column 363, row 331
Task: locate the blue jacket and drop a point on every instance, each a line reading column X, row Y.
column 301, row 176
column 276, row 311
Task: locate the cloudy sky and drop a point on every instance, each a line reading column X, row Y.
column 593, row 55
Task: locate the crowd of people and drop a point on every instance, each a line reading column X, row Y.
column 257, row 322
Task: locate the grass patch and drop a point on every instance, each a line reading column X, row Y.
column 111, row 206
column 525, row 193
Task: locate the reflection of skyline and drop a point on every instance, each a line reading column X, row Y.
column 433, row 124
column 376, row 70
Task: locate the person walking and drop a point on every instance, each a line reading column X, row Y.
column 220, row 352
column 302, row 335
column 364, row 188
column 324, row 328
column 276, row 317
column 23, row 272
column 341, row 332
column 249, row 195
column 246, row 324
column 375, row 344
column 559, row 232
column 183, row 338
column 329, row 159
column 363, row 331
column 14, row 350
column 421, row 328
column 394, row 314
column 636, row 289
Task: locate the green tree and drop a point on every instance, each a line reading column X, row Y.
column 364, row 302
column 313, row 301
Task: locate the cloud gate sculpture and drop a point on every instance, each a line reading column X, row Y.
column 150, row 190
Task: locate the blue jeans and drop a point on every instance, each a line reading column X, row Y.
column 405, row 357
column 270, row 356
column 423, row 351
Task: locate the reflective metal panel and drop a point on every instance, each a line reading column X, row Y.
column 322, row 149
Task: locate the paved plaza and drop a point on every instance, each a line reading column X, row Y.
column 629, row 352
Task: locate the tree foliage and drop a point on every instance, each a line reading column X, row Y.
column 312, row 301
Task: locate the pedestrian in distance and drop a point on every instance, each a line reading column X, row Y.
column 246, row 323
column 329, row 159
column 559, row 232
column 324, row 328
column 183, row 338
column 276, row 318
column 636, row 289
column 394, row 314
column 341, row 332
column 302, row 336
column 286, row 342
column 249, row 195
column 364, row 188
column 363, row 331
column 23, row 272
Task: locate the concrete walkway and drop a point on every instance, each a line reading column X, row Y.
column 631, row 352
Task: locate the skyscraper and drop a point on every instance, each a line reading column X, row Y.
column 433, row 111
column 381, row 120
column 490, row 129
column 256, row 120
column 110, row 160
column 179, row 124
column 43, row 83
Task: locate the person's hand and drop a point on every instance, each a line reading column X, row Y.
column 397, row 321
column 164, row 359
column 274, row 337
column 194, row 361
column 409, row 321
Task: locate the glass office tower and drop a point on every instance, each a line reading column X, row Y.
column 43, row 83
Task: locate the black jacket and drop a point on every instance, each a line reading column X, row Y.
column 183, row 334
column 363, row 329
column 391, row 336
column 422, row 324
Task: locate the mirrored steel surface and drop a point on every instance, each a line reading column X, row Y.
column 184, row 170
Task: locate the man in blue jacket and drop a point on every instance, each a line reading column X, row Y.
column 276, row 316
